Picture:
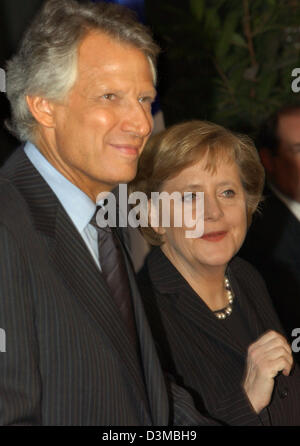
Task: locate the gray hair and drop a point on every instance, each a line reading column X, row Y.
column 46, row 62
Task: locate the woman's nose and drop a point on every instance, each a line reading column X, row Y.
column 212, row 208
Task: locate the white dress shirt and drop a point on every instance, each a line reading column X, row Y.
column 79, row 207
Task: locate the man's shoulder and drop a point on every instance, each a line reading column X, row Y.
column 13, row 207
column 271, row 226
column 20, row 187
column 8, row 190
column 13, row 163
column 271, row 210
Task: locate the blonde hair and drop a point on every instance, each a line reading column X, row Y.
column 167, row 153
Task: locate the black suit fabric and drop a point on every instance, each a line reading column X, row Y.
column 273, row 247
column 69, row 359
column 202, row 354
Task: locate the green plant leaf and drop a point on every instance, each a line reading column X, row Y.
column 197, row 8
column 212, row 22
column 266, row 85
column 238, row 40
column 227, row 33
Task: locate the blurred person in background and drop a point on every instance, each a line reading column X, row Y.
column 272, row 244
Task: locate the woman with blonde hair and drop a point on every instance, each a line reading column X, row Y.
column 214, row 325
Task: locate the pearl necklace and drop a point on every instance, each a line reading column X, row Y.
column 223, row 314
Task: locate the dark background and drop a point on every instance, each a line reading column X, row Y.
column 15, row 15
column 227, row 61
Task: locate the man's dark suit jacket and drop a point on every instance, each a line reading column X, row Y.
column 202, row 354
column 273, row 247
column 68, row 359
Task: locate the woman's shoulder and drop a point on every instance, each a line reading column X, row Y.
column 242, row 267
column 251, row 284
column 144, row 278
column 247, row 276
column 156, row 280
column 157, row 271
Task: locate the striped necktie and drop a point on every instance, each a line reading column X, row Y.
column 114, row 272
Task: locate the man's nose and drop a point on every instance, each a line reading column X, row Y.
column 212, row 208
column 138, row 121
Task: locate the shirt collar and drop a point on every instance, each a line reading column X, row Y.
column 292, row 205
column 79, row 207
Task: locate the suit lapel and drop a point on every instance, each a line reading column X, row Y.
column 177, row 293
column 154, row 379
column 73, row 261
column 202, row 317
column 250, row 313
column 259, row 311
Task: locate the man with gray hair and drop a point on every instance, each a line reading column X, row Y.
column 78, row 351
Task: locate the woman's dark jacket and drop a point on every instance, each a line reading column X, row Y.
column 206, row 355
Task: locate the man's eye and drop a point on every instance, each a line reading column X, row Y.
column 146, row 100
column 229, row 193
column 109, row 96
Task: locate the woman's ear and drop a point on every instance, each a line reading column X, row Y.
column 42, row 110
column 154, row 218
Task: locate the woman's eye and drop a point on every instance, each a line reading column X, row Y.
column 229, row 193
column 189, row 196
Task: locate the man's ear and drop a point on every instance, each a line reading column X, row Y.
column 267, row 159
column 154, row 218
column 42, row 110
